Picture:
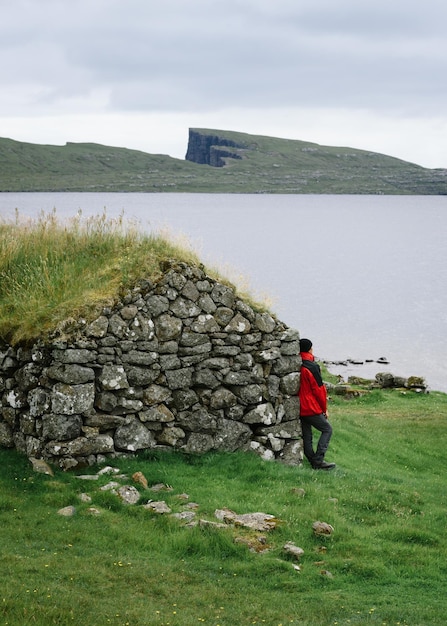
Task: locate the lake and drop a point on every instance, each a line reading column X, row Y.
column 364, row 277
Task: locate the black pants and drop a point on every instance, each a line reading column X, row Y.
column 320, row 423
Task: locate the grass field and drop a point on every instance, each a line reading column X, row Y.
column 384, row 564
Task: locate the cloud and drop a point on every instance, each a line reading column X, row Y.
column 209, row 57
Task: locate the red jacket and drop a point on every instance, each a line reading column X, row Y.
column 312, row 393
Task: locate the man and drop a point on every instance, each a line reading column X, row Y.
column 313, row 408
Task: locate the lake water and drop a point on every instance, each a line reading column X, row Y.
column 363, row 276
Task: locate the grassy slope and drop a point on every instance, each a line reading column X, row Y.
column 386, row 558
column 386, row 500
column 52, row 271
column 270, row 165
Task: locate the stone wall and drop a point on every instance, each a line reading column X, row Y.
column 183, row 363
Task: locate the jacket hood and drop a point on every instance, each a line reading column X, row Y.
column 307, row 356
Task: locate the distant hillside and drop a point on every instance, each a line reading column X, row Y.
column 216, row 161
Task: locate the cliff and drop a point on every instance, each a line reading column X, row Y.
column 206, row 149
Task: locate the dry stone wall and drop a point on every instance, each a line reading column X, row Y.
column 183, row 364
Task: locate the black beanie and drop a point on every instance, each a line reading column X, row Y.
column 305, row 345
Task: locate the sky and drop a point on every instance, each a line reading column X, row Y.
column 139, row 73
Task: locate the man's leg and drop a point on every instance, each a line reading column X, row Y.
column 322, row 424
column 306, row 429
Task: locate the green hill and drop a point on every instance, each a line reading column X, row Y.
column 216, row 162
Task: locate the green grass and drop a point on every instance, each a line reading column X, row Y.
column 269, row 165
column 386, row 501
column 52, row 271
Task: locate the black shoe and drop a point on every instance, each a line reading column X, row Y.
column 323, row 465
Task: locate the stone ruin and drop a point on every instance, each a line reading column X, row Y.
column 182, row 363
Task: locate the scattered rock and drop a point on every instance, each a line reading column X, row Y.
column 67, row 511
column 41, row 466
column 293, row 550
column 183, row 496
column 255, row 544
column 112, row 486
column 129, row 494
column 140, row 478
column 186, row 516
column 255, row 521
column 158, row 506
column 322, row 528
column 161, row 487
column 108, row 470
column 84, row 497
column 204, row 523
column 93, row 511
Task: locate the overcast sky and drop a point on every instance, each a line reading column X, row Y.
column 368, row 74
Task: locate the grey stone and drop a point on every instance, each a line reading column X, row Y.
column 286, row 365
column 184, row 399
column 190, row 291
column 74, row 355
column 291, row 408
column 61, row 427
column 205, row 378
column 171, row 436
column 98, row 328
column 205, row 323
column 238, row 378
column 290, row 383
column 141, row 329
column 117, row 326
column 179, row 379
column 128, row 494
column 222, row 398
column 268, row 355
column 133, row 436
column 113, row 377
column 158, row 414
column 168, row 327
column 155, row 394
column 232, row 436
column 206, row 303
column 157, row 305
column 238, row 324
column 128, row 312
column 71, row 399
column 71, row 374
column 39, row 401
column 142, row 376
column 249, row 394
column 221, row 294
column 27, row 377
column 198, row 420
column 104, row 421
column 265, row 323
column 6, row 435
column 198, row 443
column 262, row 414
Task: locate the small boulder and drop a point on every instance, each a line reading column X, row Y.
column 322, row 528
